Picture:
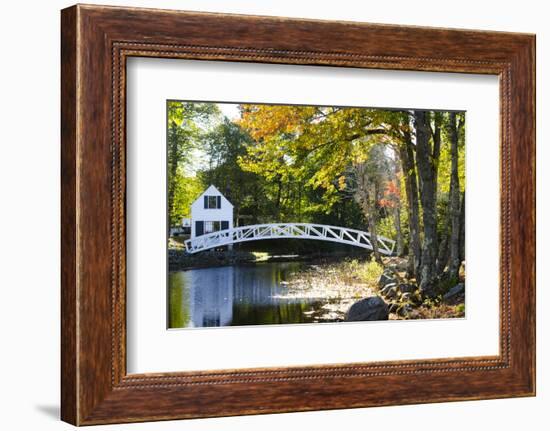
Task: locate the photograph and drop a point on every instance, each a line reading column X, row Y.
column 287, row 214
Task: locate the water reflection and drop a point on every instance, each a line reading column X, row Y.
column 235, row 295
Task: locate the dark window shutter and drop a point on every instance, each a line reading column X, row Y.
column 219, row 202
column 199, row 228
column 225, row 224
column 205, row 201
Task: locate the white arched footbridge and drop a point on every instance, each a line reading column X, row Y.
column 319, row 232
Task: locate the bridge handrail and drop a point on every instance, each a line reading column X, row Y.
column 221, row 235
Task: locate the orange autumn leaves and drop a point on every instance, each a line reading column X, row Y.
column 391, row 195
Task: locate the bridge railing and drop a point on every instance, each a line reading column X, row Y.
column 320, row 232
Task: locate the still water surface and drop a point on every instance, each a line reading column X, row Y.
column 237, row 295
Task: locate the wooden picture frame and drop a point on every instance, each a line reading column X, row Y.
column 95, row 43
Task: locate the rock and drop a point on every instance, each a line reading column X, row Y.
column 429, row 290
column 404, row 310
column 454, row 293
column 387, row 288
column 399, row 265
column 406, row 297
column 393, row 307
column 390, row 291
column 386, row 278
column 406, row 288
column 371, row 308
column 393, row 293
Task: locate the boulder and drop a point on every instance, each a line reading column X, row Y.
column 371, row 308
column 454, row 293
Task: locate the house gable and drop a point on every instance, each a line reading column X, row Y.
column 211, row 191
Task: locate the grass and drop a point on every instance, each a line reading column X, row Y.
column 368, row 272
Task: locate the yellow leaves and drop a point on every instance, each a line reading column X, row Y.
column 268, row 121
column 175, row 112
column 342, row 182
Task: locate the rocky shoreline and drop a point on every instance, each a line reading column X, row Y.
column 400, row 298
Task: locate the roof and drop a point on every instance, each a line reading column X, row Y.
column 212, row 190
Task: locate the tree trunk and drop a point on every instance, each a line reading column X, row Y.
column 278, row 198
column 374, row 235
column 366, row 196
column 397, row 210
column 428, row 199
column 462, row 227
column 436, row 147
column 411, row 189
column 173, row 161
column 454, row 201
column 399, row 234
column 373, row 220
column 443, row 253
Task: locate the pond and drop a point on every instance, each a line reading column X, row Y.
column 237, row 295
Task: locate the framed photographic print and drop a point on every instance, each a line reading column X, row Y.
column 322, row 214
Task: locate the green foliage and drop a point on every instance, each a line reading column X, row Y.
column 185, row 127
column 224, row 145
column 186, row 190
column 386, row 227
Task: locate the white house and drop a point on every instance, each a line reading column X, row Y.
column 210, row 212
